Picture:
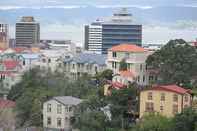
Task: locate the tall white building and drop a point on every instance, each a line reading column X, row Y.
column 95, row 38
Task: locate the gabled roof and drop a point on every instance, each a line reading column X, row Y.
column 68, row 100
column 10, row 64
column 170, row 88
column 7, row 103
column 127, row 73
column 127, row 48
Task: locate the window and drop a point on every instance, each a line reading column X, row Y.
column 151, row 78
column 175, row 98
column 59, row 109
column 138, row 78
column 161, row 108
column 149, row 107
column 144, row 78
column 48, row 120
column 186, row 98
column 162, row 96
column 114, row 65
column 175, row 109
column 150, row 95
column 66, row 108
column 73, row 66
column 24, row 62
column 114, row 54
column 140, row 67
column 43, row 60
column 96, row 69
column 70, row 109
column 49, row 60
column 126, row 55
column 59, row 122
column 48, row 107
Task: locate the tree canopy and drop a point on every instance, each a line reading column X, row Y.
column 176, row 62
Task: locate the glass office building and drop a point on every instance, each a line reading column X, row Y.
column 113, row 31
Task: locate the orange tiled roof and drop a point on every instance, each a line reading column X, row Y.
column 127, row 48
column 127, row 73
column 171, row 88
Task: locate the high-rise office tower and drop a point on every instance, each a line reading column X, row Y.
column 102, row 35
column 27, row 32
column 4, row 36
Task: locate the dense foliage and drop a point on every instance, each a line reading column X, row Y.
column 176, row 62
column 38, row 86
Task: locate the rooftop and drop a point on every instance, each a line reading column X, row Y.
column 170, row 88
column 10, row 64
column 7, row 103
column 68, row 100
column 127, row 73
column 88, row 58
column 127, row 48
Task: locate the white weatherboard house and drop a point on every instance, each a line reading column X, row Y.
column 58, row 111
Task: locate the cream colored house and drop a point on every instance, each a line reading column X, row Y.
column 58, row 111
column 135, row 58
column 166, row 100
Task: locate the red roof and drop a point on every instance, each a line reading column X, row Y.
column 19, row 49
column 8, row 73
column 10, row 64
column 127, row 73
column 116, row 85
column 171, row 88
column 127, row 48
column 7, row 103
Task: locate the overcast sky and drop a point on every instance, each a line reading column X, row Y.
column 160, row 30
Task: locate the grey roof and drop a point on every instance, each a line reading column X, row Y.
column 88, row 58
column 68, row 100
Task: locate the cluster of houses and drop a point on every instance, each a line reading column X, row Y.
column 58, row 111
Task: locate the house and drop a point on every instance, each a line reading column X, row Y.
column 167, row 100
column 84, row 63
column 29, row 60
column 124, row 77
column 135, row 59
column 51, row 59
column 9, row 72
column 7, row 115
column 110, row 85
column 58, row 111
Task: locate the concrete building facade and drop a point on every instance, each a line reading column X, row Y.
column 4, row 43
column 27, row 32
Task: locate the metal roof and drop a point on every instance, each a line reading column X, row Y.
column 88, row 58
column 68, row 100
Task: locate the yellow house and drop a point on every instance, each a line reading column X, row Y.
column 166, row 100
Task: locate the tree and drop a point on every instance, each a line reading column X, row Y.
column 185, row 121
column 176, row 62
column 153, row 122
column 123, row 65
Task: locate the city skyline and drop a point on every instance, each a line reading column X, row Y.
column 66, row 19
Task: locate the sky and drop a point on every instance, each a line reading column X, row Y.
column 162, row 20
